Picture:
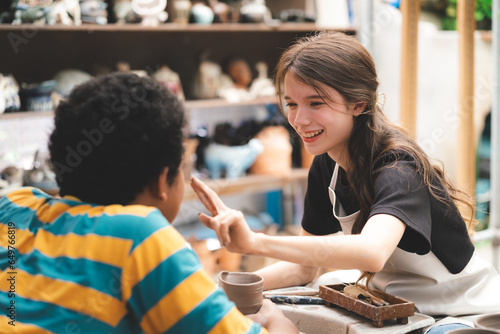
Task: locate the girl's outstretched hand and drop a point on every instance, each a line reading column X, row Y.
column 229, row 225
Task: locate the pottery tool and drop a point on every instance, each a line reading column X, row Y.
column 397, row 308
column 288, row 299
column 293, row 292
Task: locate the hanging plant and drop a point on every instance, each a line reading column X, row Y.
column 482, row 15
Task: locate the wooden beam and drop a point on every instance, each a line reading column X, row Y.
column 409, row 46
column 466, row 168
column 495, row 140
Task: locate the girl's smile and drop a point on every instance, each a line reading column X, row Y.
column 310, row 137
column 324, row 122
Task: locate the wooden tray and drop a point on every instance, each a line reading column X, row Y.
column 399, row 309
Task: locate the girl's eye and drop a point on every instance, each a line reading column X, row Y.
column 291, row 105
column 316, row 104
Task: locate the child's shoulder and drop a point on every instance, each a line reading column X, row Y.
column 24, row 198
column 128, row 223
column 135, row 222
column 22, row 193
column 132, row 211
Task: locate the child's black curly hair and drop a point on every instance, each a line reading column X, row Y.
column 113, row 136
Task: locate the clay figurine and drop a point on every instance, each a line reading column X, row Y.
column 94, row 11
column 30, row 13
column 170, row 80
column 9, row 94
column 66, row 12
column 276, row 158
column 68, row 79
column 241, row 76
column 37, row 96
column 262, row 85
column 123, row 66
column 152, row 11
column 240, row 72
column 235, row 160
column 182, row 10
column 11, row 177
column 207, row 80
column 254, row 11
column 201, row 13
column 41, row 175
column 221, row 11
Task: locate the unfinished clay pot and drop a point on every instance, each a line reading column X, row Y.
column 243, row 289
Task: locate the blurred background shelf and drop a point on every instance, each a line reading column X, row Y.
column 251, row 183
column 172, row 27
column 191, row 104
column 35, row 54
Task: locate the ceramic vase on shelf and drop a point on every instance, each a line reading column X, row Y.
column 182, row 9
column 254, row 11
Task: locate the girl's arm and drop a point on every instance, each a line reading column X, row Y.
column 367, row 251
column 284, row 274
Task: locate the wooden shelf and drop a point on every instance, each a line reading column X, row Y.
column 37, row 53
column 192, row 104
column 173, row 27
column 221, row 103
column 26, row 114
column 246, row 184
column 250, row 183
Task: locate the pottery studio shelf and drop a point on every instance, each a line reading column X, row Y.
column 192, row 104
column 26, row 114
column 36, row 53
column 175, row 27
column 252, row 183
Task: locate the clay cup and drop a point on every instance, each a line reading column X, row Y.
column 243, row 289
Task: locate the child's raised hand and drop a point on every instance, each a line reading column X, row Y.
column 229, row 225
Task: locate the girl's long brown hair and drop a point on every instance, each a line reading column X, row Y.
column 339, row 61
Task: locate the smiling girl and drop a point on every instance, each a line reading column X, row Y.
column 374, row 202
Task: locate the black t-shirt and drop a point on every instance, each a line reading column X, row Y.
column 431, row 225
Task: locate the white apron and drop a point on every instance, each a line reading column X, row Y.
column 424, row 280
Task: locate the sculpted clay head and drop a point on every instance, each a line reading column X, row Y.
column 240, row 72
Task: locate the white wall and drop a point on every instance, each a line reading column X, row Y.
column 437, row 89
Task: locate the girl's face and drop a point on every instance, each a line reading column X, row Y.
column 323, row 127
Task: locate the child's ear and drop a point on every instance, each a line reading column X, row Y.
column 359, row 107
column 159, row 186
